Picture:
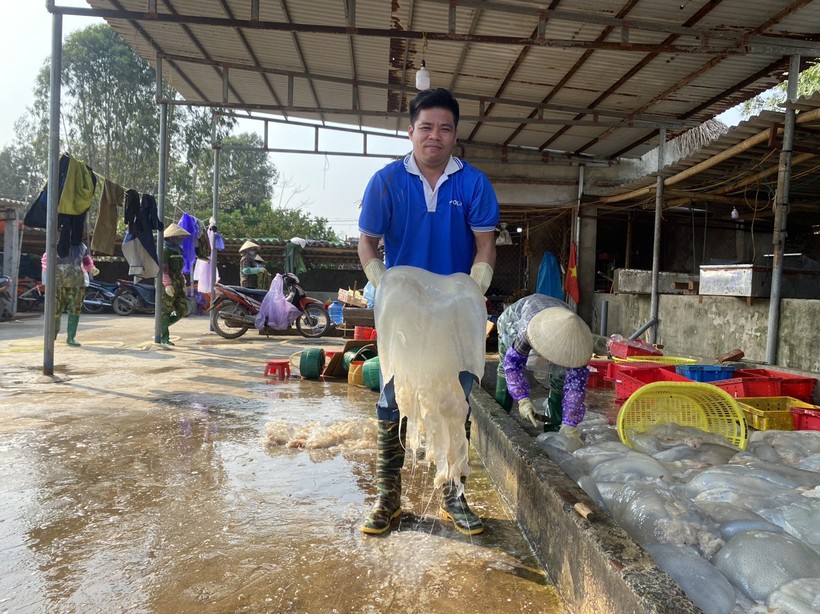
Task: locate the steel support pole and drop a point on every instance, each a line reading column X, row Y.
column 781, row 212
column 214, row 214
column 49, row 308
column 159, row 291
column 576, row 234
column 656, row 242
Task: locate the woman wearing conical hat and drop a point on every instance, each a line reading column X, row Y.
column 540, row 326
column 174, row 303
column 250, row 265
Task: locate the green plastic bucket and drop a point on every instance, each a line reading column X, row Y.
column 364, row 352
column 370, row 372
column 311, row 363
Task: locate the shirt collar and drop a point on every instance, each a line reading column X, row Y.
column 453, row 165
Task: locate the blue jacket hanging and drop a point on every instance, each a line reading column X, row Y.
column 549, row 277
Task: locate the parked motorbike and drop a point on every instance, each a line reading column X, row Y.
column 99, row 296
column 131, row 297
column 31, row 295
column 234, row 310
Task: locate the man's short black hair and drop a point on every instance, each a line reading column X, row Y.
column 436, row 97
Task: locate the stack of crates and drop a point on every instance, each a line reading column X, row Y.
column 774, row 400
column 777, row 413
column 629, row 379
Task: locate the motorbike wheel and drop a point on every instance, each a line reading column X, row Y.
column 124, row 304
column 313, row 321
column 94, row 296
column 222, row 327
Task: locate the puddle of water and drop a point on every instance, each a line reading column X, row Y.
column 224, row 503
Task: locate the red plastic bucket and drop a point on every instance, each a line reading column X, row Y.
column 363, row 332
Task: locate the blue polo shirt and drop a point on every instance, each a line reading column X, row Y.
column 429, row 227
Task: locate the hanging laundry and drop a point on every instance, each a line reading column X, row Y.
column 294, row 262
column 78, row 190
column 138, row 247
column 192, row 225
column 75, row 199
column 549, row 277
column 203, row 268
column 105, row 230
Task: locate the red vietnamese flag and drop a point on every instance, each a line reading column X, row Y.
column 571, row 279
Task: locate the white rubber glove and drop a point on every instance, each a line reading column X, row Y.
column 169, row 290
column 482, row 274
column 570, row 432
column 374, row 269
column 527, row 411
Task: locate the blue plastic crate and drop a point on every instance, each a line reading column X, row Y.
column 706, row 373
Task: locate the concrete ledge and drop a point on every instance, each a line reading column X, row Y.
column 594, row 564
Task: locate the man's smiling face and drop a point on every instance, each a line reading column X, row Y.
column 433, row 137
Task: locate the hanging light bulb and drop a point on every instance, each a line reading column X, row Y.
column 735, row 213
column 422, row 77
column 422, row 74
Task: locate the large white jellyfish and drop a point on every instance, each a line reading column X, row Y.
column 432, row 327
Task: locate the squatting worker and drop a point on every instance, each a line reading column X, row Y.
column 437, row 213
column 547, row 327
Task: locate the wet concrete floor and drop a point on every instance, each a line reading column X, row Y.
column 145, row 480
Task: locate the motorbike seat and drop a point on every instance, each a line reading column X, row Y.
column 254, row 292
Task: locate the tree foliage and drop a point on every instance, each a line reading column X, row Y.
column 110, row 120
column 774, row 99
column 280, row 223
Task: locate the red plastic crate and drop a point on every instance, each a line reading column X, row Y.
column 627, row 383
column 805, row 419
column 597, row 374
column 751, row 386
column 790, row 385
column 632, row 347
column 615, row 369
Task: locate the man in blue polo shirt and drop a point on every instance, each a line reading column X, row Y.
column 437, row 213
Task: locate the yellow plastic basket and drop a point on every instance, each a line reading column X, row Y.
column 702, row 406
column 771, row 413
column 661, row 360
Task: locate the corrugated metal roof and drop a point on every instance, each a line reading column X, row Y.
column 642, row 65
column 748, row 177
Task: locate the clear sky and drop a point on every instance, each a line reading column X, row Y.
column 328, row 187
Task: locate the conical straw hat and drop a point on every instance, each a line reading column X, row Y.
column 248, row 245
column 561, row 337
column 175, row 230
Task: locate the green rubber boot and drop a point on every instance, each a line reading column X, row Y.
column 389, row 461
column 165, row 333
column 555, row 401
column 73, row 321
column 502, row 397
column 454, row 507
column 57, row 326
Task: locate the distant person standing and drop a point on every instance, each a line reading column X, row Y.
column 70, row 286
column 174, row 302
column 249, row 265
